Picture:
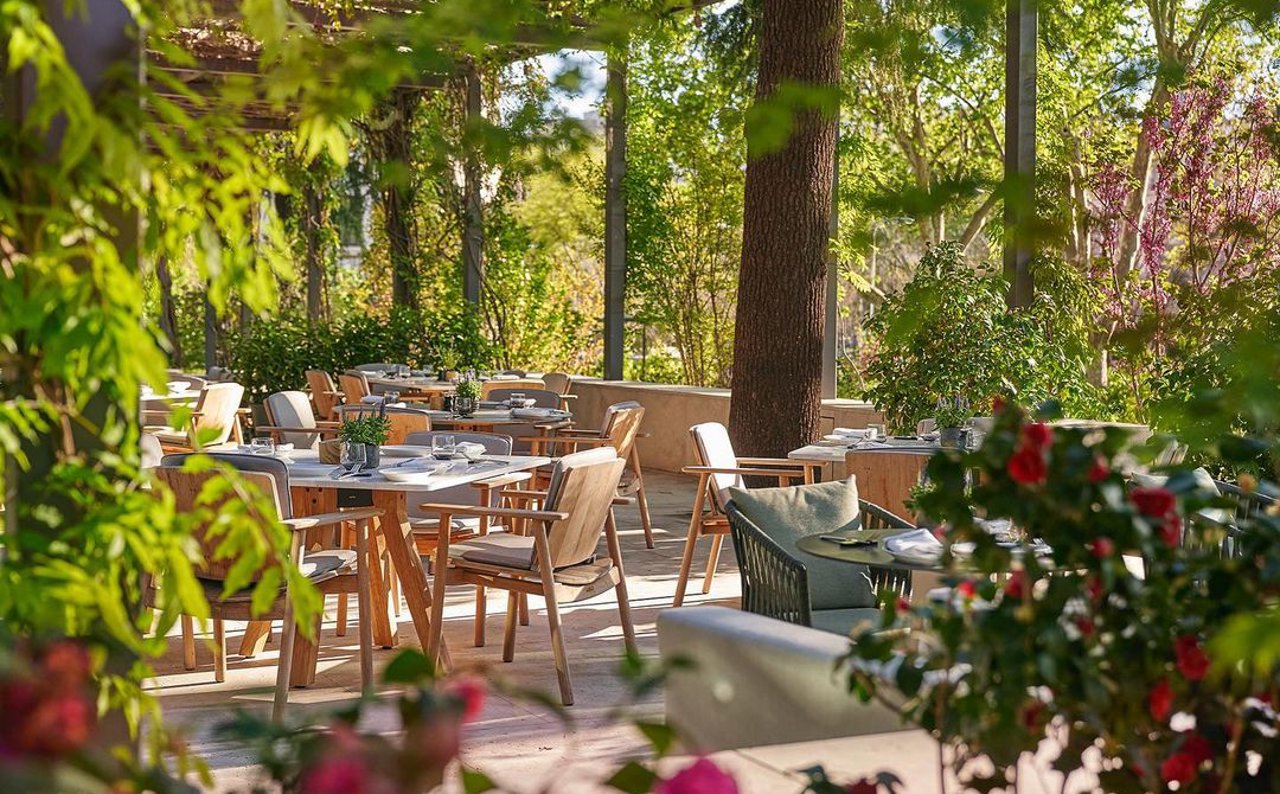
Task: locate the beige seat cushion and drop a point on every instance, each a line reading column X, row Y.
column 498, row 548
column 318, row 566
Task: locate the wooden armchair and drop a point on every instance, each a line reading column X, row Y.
column 620, row 431
column 354, row 385
column 719, row 469
column 556, row 560
column 325, row 396
column 332, row 571
column 214, row 421
column 292, row 422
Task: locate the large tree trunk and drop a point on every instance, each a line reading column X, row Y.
column 315, row 217
column 398, row 198
column 777, row 370
column 168, row 312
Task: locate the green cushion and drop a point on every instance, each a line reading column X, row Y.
column 788, row 514
column 843, row 621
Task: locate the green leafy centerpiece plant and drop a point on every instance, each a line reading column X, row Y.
column 468, row 396
column 371, row 431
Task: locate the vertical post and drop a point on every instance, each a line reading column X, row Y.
column 615, row 219
column 1019, row 148
column 210, row 335
column 832, row 300
column 313, row 220
column 473, row 221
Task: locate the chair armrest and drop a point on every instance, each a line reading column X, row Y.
column 524, row 494
column 329, row 519
column 496, row 512
column 164, row 413
column 580, row 432
column 624, row 500
column 781, row 462
column 325, row 427
column 505, row 479
column 568, row 396
column 737, row 470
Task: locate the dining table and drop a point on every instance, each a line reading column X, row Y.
column 315, row 488
column 887, row 470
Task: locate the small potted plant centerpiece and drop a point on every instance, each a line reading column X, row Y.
column 449, row 360
column 468, row 396
column 371, row 431
column 952, row 419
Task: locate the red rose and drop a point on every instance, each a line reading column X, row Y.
column 1093, row 585
column 1037, row 435
column 470, row 690
column 58, row 724
column 1160, row 700
column 1086, row 627
column 1103, row 548
column 864, row 786
column 997, row 405
column 1031, row 716
column 1153, row 502
column 1192, row 661
column 1016, row 587
column 1197, row 748
column 1171, row 531
column 1027, row 466
column 901, row 605
column 1178, row 768
column 1099, row 471
column 700, row 777
column 967, row 589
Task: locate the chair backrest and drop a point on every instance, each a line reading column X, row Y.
column 714, row 449
column 355, row 386
column 268, row 475
column 510, row 384
column 494, row 444
column 292, row 409
column 404, row 421
column 583, row 484
column 621, row 426
column 542, row 398
column 322, row 392
column 557, row 382
column 216, row 411
column 378, row 368
column 193, row 382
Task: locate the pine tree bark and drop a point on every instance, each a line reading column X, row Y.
column 398, row 196
column 777, row 365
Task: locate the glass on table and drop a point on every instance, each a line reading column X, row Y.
column 516, row 400
column 353, row 456
column 443, row 447
column 262, row 445
column 874, row 432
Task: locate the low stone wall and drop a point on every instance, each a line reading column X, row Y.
column 671, row 410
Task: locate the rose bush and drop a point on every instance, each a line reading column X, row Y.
column 1111, row 658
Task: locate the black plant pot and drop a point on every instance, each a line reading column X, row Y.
column 372, row 456
column 465, row 406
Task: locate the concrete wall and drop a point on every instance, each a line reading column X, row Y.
column 671, row 410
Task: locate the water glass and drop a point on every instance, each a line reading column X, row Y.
column 516, row 400
column 353, row 455
column 443, row 447
column 262, row 445
column 875, row 432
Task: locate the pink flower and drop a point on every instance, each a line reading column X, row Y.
column 1192, row 661
column 471, row 691
column 700, row 777
column 59, row 724
column 343, row 774
column 1160, row 700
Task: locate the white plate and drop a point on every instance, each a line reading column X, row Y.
column 405, row 451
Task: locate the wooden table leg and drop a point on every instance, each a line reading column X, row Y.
column 408, row 565
column 386, row 630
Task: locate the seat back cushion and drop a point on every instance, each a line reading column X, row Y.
column 788, row 514
column 293, row 409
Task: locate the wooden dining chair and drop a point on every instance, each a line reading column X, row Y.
column 509, row 384
column 557, row 559
column 325, row 396
column 332, row 571
column 291, row 421
column 214, row 421
column 560, row 383
column 354, row 385
column 620, row 429
column 719, row 469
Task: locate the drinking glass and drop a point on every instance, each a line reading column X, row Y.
column 263, row 445
column 353, row 456
column 874, row 432
column 516, row 400
column 443, row 447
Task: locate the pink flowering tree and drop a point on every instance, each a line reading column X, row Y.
column 1209, row 240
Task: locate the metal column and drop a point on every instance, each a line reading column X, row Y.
column 615, row 220
column 1019, row 148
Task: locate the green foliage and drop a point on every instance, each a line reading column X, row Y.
column 469, row 388
column 949, row 336
column 274, row 355
column 371, row 429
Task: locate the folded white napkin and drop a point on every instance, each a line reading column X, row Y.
column 850, row 432
column 470, row 449
column 919, row 546
column 372, row 399
column 537, row 413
